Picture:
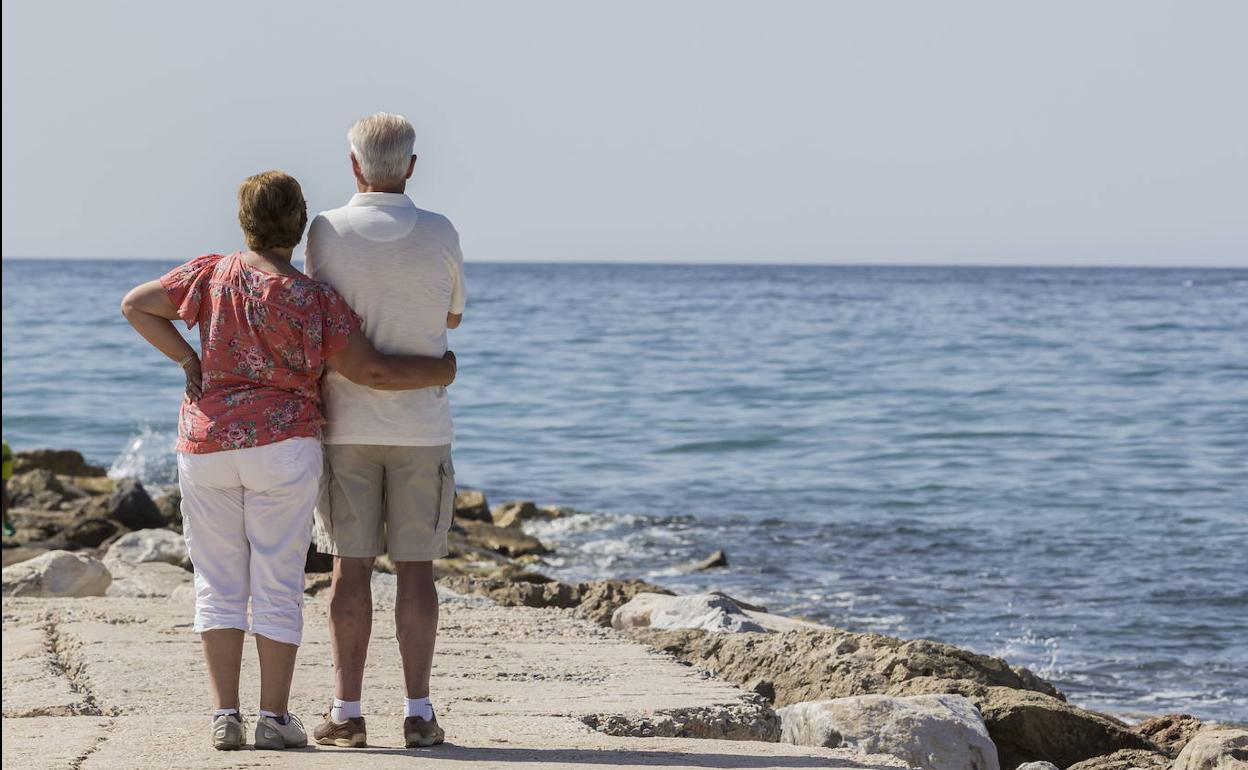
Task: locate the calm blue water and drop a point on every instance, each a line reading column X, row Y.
column 1050, row 465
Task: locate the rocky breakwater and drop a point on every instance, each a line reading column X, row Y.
column 932, row 704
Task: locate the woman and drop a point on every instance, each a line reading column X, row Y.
column 249, row 452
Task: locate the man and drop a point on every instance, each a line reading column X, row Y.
column 389, row 486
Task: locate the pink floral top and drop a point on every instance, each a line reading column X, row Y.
column 264, row 340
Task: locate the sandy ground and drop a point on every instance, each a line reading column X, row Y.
column 119, row 683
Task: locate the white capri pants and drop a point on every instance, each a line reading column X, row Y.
column 247, row 518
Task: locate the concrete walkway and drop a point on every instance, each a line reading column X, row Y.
column 119, row 683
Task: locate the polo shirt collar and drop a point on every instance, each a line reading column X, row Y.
column 381, row 199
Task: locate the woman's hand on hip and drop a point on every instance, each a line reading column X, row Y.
column 194, row 379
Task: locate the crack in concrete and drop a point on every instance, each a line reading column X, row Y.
column 79, row 761
column 61, row 662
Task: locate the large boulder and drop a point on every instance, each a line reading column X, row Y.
column 509, row 542
column 1125, row 759
column 1215, row 748
column 470, row 505
column 706, row 612
column 824, row 663
column 64, row 462
column 933, row 732
column 57, row 574
column 147, row 579
column 1029, row 726
column 148, row 545
column 1170, row 732
column 601, row 598
column 130, row 504
column 42, row 490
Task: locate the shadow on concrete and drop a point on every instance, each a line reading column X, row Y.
column 448, row 752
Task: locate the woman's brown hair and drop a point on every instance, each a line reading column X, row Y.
column 272, row 210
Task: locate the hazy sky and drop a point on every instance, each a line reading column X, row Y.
column 1071, row 132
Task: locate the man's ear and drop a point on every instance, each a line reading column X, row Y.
column 355, row 169
column 411, row 167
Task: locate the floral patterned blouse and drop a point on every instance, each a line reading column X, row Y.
column 264, row 340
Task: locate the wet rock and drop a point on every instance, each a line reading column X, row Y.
column 42, row 490
column 751, row 719
column 1170, row 732
column 470, row 505
column 86, row 533
column 1215, row 748
column 707, row 612
column 509, row 542
column 154, row 579
column 513, row 513
column 933, row 732
column 57, row 574
column 317, row 561
column 130, row 504
column 461, row 546
column 715, row 560
column 148, row 545
column 64, row 462
column 601, row 598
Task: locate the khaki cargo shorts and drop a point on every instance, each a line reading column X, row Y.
column 385, row 499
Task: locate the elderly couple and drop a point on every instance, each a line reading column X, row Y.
column 317, row 402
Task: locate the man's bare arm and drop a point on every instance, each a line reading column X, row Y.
column 453, row 319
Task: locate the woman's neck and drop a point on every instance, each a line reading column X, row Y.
column 275, row 253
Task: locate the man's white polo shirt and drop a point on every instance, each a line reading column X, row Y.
column 401, row 269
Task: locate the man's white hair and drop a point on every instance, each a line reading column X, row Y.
column 382, row 144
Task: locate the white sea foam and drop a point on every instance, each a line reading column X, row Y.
column 147, row 457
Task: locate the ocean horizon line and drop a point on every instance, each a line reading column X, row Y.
column 741, row 263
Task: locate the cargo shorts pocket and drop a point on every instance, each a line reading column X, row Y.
column 446, row 495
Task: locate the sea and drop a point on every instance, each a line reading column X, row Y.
column 1050, row 465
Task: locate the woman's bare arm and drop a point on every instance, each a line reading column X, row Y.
column 148, row 309
column 361, row 363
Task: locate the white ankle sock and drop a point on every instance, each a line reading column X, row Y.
column 225, row 712
column 344, row 710
column 419, row 707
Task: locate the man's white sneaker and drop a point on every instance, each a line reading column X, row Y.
column 272, row 734
column 229, row 732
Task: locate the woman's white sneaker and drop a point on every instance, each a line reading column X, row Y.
column 229, row 732
column 272, row 734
